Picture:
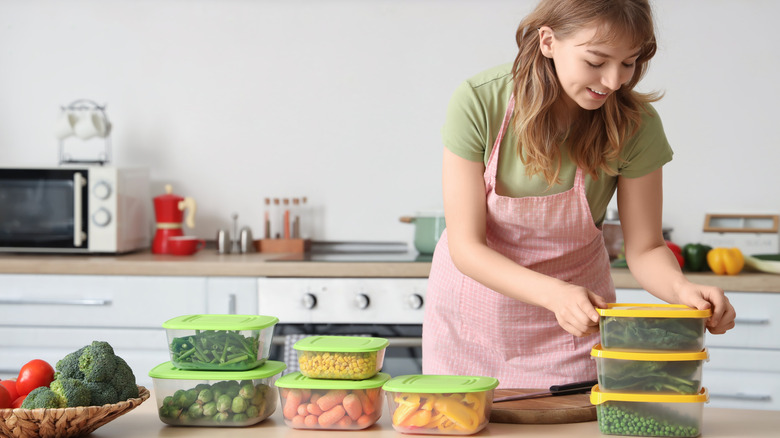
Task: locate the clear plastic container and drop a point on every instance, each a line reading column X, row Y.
column 309, row 403
column 649, row 414
column 670, row 327
column 340, row 357
column 214, row 398
column 440, row 405
column 219, row 342
column 656, row 373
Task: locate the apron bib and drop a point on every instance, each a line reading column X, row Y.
column 469, row 329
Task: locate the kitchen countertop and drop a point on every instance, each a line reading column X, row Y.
column 210, row 263
column 143, row 422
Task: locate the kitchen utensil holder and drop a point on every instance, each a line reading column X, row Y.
column 283, row 245
column 104, row 157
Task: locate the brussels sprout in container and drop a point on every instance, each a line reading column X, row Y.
column 440, row 405
column 219, row 342
column 671, row 327
column 309, row 403
column 340, row 357
column 661, row 415
column 211, row 398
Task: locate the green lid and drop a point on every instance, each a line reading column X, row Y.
column 166, row 370
column 343, row 344
column 298, row 380
column 431, row 383
column 220, row 322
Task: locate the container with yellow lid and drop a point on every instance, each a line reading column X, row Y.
column 667, row 327
column 649, row 414
column 649, row 372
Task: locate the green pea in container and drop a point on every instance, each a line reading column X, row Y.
column 663, row 415
column 325, row 404
column 219, row 342
column 340, row 357
column 215, row 398
column 440, row 405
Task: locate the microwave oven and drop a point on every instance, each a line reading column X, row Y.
column 90, row 209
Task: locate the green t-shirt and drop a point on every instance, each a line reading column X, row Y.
column 474, row 117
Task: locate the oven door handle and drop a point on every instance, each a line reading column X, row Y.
column 78, row 234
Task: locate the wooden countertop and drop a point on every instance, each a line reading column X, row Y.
column 143, row 422
column 211, row 264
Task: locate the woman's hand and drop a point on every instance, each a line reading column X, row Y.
column 704, row 297
column 575, row 309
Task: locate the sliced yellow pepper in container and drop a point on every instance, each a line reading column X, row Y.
column 726, row 261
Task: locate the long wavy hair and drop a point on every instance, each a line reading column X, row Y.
column 596, row 137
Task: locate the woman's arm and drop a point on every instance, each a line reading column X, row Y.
column 465, row 211
column 651, row 262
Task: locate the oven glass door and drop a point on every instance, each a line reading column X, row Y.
column 43, row 209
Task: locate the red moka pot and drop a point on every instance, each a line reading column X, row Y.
column 169, row 213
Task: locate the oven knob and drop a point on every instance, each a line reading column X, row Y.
column 362, row 301
column 102, row 190
column 415, row 301
column 309, row 301
column 101, row 217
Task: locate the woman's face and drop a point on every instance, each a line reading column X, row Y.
column 588, row 72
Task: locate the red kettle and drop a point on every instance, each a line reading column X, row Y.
column 169, row 212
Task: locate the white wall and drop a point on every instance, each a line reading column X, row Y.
column 342, row 101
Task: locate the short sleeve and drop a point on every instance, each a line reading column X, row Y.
column 648, row 149
column 465, row 127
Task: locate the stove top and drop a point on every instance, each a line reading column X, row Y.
column 357, row 252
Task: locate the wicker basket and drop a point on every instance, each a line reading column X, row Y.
column 64, row 422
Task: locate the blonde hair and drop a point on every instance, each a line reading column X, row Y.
column 597, row 137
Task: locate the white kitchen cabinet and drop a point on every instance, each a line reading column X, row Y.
column 231, row 295
column 744, row 367
column 48, row 316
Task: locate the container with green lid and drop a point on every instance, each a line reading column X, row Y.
column 340, row 357
column 219, row 342
column 671, row 327
column 632, row 414
column 215, row 398
column 649, row 372
column 440, row 405
column 309, row 403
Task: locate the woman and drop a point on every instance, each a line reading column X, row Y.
column 534, row 152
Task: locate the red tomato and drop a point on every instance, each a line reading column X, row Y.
column 33, row 374
column 18, row 402
column 5, row 398
column 677, row 251
column 10, row 386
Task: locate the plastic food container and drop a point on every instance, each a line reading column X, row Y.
column 211, row 398
column 649, row 414
column 659, row 373
column 671, row 327
column 219, row 342
column 340, row 357
column 440, row 405
column 330, row 404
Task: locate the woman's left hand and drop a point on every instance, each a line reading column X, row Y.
column 704, row 297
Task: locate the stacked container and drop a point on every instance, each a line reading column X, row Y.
column 649, row 366
column 339, row 386
column 218, row 374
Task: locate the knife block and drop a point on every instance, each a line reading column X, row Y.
column 283, row 245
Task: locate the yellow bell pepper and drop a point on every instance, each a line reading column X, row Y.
column 419, row 419
column 403, row 412
column 463, row 417
column 726, row 261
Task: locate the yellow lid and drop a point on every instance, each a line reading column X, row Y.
column 597, row 397
column 633, row 310
column 598, row 351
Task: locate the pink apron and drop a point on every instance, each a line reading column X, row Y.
column 471, row 330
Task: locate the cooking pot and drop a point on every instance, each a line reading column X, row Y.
column 428, row 227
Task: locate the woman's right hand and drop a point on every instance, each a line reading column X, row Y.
column 575, row 309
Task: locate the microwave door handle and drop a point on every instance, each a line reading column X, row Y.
column 78, row 235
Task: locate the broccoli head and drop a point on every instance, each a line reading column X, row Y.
column 42, row 397
column 68, row 366
column 72, row 392
column 123, row 380
column 97, row 362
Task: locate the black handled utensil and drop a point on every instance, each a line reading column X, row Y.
column 569, row 388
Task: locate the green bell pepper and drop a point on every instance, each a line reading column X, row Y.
column 695, row 256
